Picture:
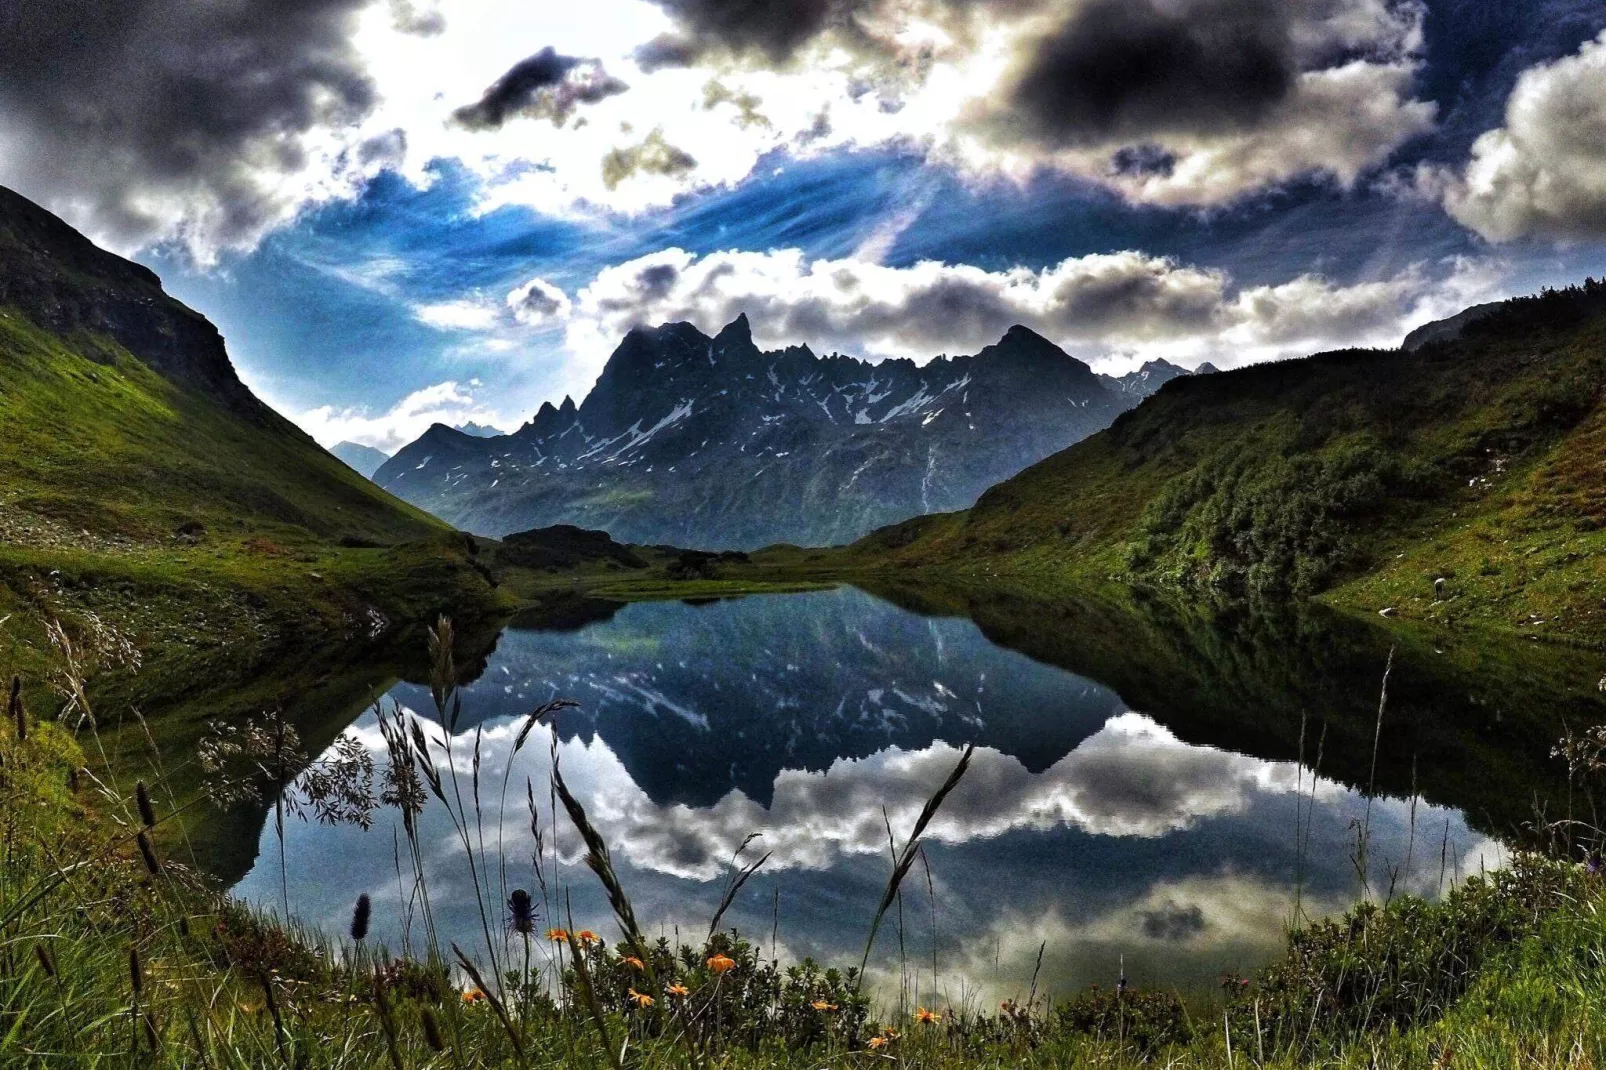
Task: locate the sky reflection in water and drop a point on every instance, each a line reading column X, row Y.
column 1082, row 824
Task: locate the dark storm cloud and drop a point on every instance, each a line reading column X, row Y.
column 547, row 85
column 1122, row 68
column 144, row 116
column 742, row 27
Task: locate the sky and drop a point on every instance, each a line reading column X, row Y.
column 402, row 212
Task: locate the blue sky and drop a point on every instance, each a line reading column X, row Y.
column 454, row 213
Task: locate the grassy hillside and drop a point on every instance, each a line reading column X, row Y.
column 146, row 496
column 1367, row 477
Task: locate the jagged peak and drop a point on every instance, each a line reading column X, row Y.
column 737, row 332
column 568, row 407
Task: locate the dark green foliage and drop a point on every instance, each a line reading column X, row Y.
column 1145, row 1020
column 1403, row 964
column 1247, row 526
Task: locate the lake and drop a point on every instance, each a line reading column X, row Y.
column 1152, row 790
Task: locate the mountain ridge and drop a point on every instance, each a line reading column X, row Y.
column 1458, row 481
column 702, row 440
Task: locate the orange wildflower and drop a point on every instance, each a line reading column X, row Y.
column 821, row 1005
column 586, row 936
column 925, row 1017
column 631, row 960
column 473, row 995
column 721, row 963
column 641, row 999
column 557, row 935
column 678, row 990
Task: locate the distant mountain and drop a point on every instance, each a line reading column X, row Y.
column 479, row 430
column 1458, row 481
column 364, row 460
column 1448, row 330
column 710, row 442
column 1144, row 381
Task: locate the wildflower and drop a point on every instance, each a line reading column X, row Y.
column 586, row 936
column 473, row 995
column 521, row 912
column 557, row 936
column 631, row 960
column 925, row 1017
column 678, row 989
column 1593, row 864
column 641, row 999
column 822, row 1005
column 720, row 963
column 877, row 1042
column 890, row 1033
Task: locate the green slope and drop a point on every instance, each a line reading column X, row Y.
column 142, row 486
column 1364, row 477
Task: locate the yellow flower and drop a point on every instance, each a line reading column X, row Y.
column 925, row 1017
column 721, row 963
column 821, row 1005
column 641, row 999
column 678, row 990
column 586, row 936
column 631, row 960
column 557, row 936
column 877, row 1042
column 472, row 995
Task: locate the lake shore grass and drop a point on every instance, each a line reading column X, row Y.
column 117, row 951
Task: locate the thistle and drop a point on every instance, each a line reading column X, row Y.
column 521, row 909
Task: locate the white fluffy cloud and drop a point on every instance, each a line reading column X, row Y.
column 1116, row 307
column 1543, row 172
column 447, row 403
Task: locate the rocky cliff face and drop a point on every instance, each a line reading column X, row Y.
column 710, row 442
column 63, row 282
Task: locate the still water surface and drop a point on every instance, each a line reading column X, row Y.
column 1085, row 827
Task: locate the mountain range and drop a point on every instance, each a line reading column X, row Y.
column 711, row 442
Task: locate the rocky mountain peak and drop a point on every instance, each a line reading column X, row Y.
column 63, row 282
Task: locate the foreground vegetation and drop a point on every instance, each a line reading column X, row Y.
column 118, row 951
column 1458, row 483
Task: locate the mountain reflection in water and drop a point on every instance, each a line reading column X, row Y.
column 813, row 720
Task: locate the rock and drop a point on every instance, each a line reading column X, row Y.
column 1387, row 611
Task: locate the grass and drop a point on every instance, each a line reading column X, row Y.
column 1364, row 478
column 118, row 954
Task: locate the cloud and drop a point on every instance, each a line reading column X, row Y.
column 206, row 124
column 538, row 303
column 1136, row 68
column 544, row 86
column 449, row 403
column 467, row 314
column 1124, row 305
column 653, row 156
column 408, row 17
column 1544, row 172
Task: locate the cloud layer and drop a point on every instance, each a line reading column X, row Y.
column 166, row 119
column 449, row 403
column 1125, row 305
column 1543, row 172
